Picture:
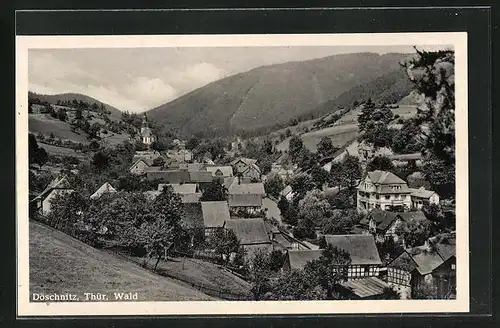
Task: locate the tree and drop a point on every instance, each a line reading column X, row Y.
column 288, row 211
column 36, row 154
column 325, row 147
column 389, row 250
column 414, row 233
column 66, row 210
column 61, row 115
column 306, row 159
column 276, row 260
column 378, row 134
column 320, row 176
column 224, row 242
column 433, row 74
column 274, row 185
column 305, row 228
column 315, row 206
column 366, row 114
column 330, row 269
column 192, row 143
column 301, row 184
column 407, row 140
column 390, row 294
column 265, row 165
column 100, row 161
column 215, row 191
column 381, row 163
column 340, row 222
column 347, row 173
column 296, row 146
column 268, row 147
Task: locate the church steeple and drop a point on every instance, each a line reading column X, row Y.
column 144, row 123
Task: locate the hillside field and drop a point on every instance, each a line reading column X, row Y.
column 62, row 264
column 45, row 124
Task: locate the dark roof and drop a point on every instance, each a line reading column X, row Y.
column 361, row 248
column 169, row 176
column 383, row 219
column 365, row 287
column 249, row 231
column 215, row 213
column 412, row 216
column 185, row 188
column 426, row 258
column 200, row 176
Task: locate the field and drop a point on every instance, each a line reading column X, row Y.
column 62, row 264
column 45, row 124
column 340, row 135
column 203, row 274
column 61, row 151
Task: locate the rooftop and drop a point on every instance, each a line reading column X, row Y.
column 106, row 187
column 249, row 231
column 384, row 177
column 361, row 248
column 215, row 213
column 247, row 188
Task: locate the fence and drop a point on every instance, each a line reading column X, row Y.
column 211, row 291
column 67, row 228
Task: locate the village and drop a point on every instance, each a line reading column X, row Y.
column 351, row 220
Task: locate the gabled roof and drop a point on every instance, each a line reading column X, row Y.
column 185, row 188
column 249, row 231
column 425, row 259
column 361, row 248
column 412, row 216
column 247, row 188
column 106, row 187
column 215, row 213
column 58, row 183
column 247, row 161
column 148, row 162
column 421, row 193
column 146, row 132
column 226, row 171
column 228, row 181
column 245, row 200
column 253, row 167
column 384, row 177
column 382, row 219
column 365, row 287
column 299, row 258
column 200, row 176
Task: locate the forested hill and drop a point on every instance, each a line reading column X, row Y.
column 276, row 94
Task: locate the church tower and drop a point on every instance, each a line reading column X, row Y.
column 147, row 136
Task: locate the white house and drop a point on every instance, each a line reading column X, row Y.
column 58, row 187
column 383, row 190
column 422, row 196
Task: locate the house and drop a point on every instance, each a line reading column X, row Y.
column 252, row 172
column 422, row 196
column 252, row 234
column 363, row 271
column 180, row 155
column 139, row 167
column 365, row 260
column 202, row 178
column 147, row 136
column 383, row 190
column 214, row 214
column 220, row 171
column 168, row 176
column 431, row 266
column 288, row 193
column 383, row 224
column 57, row 187
column 284, row 241
column 105, row 188
column 185, row 188
column 240, row 165
column 246, row 197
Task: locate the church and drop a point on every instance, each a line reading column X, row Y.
column 147, row 135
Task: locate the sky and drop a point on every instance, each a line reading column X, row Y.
column 138, row 79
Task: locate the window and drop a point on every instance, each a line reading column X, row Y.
column 453, row 267
column 387, row 196
column 398, row 276
column 377, row 196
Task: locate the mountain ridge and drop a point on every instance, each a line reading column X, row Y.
column 270, row 94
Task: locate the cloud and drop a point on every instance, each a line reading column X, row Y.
column 150, row 92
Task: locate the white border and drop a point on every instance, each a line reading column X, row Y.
column 25, row 308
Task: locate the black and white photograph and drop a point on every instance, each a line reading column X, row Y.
column 255, row 174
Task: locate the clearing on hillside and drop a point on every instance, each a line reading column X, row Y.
column 59, row 263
